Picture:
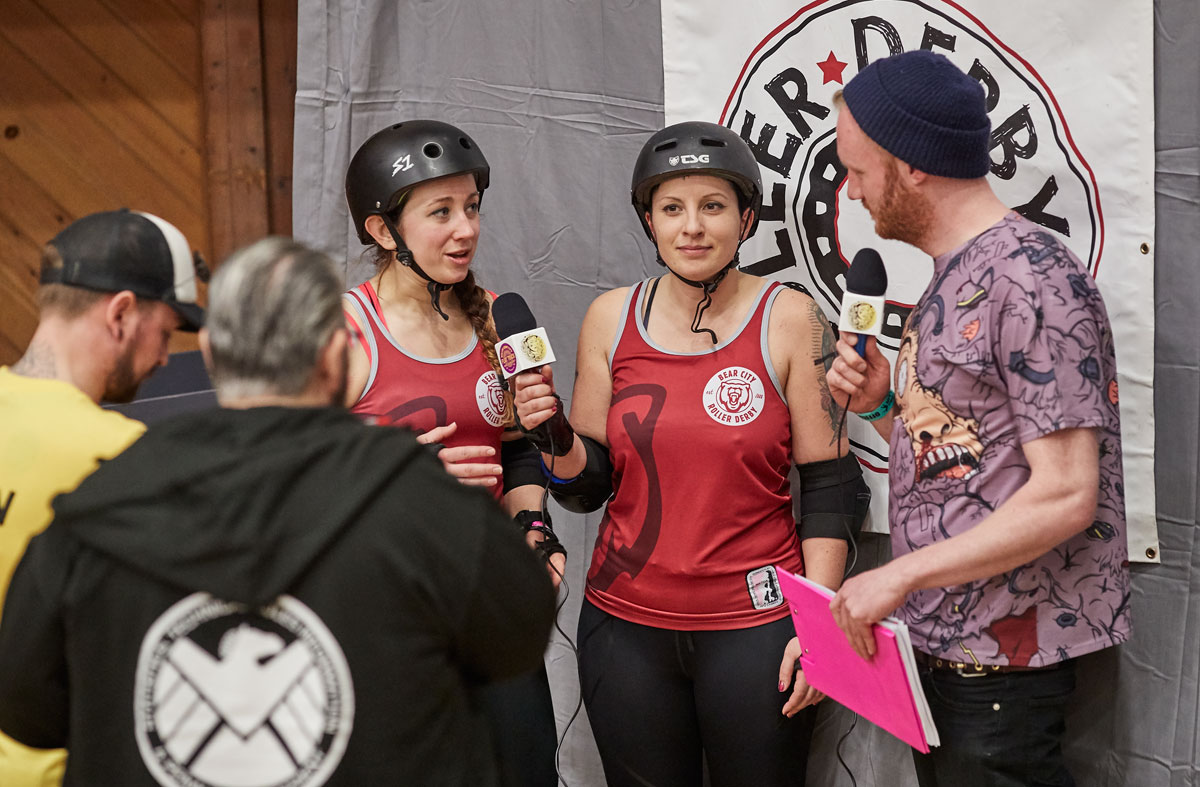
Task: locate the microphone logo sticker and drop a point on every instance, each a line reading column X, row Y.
column 862, row 316
column 226, row 695
column 534, row 347
column 508, row 358
column 733, row 396
column 489, row 396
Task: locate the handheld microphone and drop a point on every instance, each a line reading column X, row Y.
column 863, row 303
column 523, row 345
column 523, row 348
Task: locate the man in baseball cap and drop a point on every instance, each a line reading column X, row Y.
column 113, row 288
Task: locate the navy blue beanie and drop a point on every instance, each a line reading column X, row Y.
column 922, row 109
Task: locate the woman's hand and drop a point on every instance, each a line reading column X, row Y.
column 533, row 394
column 803, row 695
column 556, row 564
column 457, row 462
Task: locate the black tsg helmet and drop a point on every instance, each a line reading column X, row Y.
column 696, row 148
column 399, row 157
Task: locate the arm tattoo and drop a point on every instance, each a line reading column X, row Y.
column 824, row 351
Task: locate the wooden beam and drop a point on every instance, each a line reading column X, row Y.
column 279, row 26
column 231, row 42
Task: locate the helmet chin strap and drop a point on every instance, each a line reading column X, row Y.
column 405, row 257
column 709, row 286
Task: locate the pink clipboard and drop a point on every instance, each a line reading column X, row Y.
column 885, row 690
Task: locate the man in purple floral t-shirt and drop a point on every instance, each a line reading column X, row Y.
column 1007, row 504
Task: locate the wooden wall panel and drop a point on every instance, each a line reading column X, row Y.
column 111, row 103
column 132, row 60
column 237, row 161
column 279, row 85
column 90, row 83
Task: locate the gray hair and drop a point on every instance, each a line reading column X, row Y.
column 272, row 308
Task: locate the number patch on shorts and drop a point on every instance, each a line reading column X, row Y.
column 764, row 588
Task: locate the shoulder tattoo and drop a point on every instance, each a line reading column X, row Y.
column 823, row 353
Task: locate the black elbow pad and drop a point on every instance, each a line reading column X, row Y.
column 522, row 464
column 592, row 487
column 834, row 499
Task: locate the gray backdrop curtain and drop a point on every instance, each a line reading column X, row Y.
column 560, row 95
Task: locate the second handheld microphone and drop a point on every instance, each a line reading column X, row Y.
column 863, row 303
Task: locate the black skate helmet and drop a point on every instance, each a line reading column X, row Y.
column 396, row 159
column 696, row 148
column 399, row 157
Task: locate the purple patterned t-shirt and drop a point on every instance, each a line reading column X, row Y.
column 1010, row 342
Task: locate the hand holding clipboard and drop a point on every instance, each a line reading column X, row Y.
column 885, row 689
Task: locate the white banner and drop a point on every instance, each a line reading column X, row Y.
column 1069, row 87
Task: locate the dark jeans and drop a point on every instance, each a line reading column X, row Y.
column 998, row 730
column 520, row 714
column 664, row 703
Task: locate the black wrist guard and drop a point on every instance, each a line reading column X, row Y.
column 592, row 487
column 534, row 520
column 834, row 499
column 554, row 437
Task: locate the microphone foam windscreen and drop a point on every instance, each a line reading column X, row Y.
column 866, row 275
column 511, row 315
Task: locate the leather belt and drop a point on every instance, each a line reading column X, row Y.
column 973, row 670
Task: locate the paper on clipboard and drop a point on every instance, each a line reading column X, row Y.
column 885, row 690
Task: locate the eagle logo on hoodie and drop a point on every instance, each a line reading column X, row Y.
column 229, row 695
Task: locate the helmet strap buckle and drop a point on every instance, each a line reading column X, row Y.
column 404, row 256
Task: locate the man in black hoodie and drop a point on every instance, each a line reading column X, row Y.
column 270, row 593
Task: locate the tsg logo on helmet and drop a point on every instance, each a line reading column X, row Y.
column 782, row 105
column 688, row 159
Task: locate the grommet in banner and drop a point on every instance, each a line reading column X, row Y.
column 1145, row 248
column 995, row 706
column 1151, row 552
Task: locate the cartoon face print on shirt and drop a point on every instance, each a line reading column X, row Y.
column 945, row 444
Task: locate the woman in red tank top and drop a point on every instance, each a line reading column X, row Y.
column 695, row 393
column 426, row 361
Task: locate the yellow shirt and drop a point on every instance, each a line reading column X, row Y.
column 52, row 436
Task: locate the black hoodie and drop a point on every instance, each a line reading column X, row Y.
column 269, row 596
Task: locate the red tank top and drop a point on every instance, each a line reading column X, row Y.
column 701, row 448
column 420, row 393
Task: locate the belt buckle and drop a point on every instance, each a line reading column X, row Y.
column 975, row 672
column 962, row 669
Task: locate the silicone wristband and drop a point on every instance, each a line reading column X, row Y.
column 883, row 409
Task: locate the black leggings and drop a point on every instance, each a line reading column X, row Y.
column 664, row 703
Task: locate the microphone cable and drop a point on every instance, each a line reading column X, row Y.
column 557, row 624
column 853, row 559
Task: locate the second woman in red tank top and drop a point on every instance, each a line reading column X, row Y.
column 700, row 388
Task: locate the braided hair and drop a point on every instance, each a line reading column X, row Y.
column 475, row 305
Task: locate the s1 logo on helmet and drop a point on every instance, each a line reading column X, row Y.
column 402, row 164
